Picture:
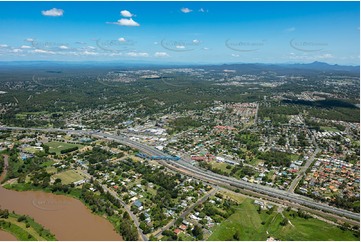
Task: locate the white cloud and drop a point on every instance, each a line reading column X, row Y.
column 308, row 57
column 126, row 13
column 3, row 46
column 235, row 55
column 202, row 10
column 180, row 47
column 54, row 12
column 29, row 40
column 137, row 54
column 91, row 47
column 161, row 54
column 155, row 43
column 25, row 47
column 89, row 53
column 40, row 51
column 63, row 47
column 121, row 39
column 291, row 29
column 186, row 10
column 325, row 56
column 195, row 41
column 115, row 54
column 205, row 48
column 17, row 50
column 125, row 22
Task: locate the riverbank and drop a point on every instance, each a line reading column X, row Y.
column 74, row 193
column 65, row 216
column 24, row 227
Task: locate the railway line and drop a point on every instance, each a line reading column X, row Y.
column 185, row 167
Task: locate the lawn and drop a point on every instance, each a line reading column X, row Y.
column 304, row 229
column 331, row 129
column 185, row 237
column 51, row 169
column 221, row 165
column 59, row 146
column 23, row 115
column 245, row 220
column 236, row 197
column 68, row 177
column 47, row 163
column 248, row 223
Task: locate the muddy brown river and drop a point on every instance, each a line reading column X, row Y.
column 5, row 236
column 66, row 217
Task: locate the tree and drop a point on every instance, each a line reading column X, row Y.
column 178, row 222
column 197, row 232
column 237, row 236
column 4, row 213
column 284, row 222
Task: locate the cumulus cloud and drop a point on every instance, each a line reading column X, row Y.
column 161, row 54
column 195, row 41
column 186, row 10
column 40, row 51
column 235, row 55
column 121, row 39
column 325, row 56
column 202, row 10
column 63, row 47
column 29, row 39
column 126, row 14
column 25, row 47
column 137, row 54
column 308, row 57
column 54, row 12
column 17, row 50
column 86, row 52
column 3, row 46
column 125, row 22
column 180, row 47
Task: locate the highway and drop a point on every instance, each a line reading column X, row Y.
column 184, row 166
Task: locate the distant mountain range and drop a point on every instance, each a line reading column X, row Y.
column 297, row 68
column 239, row 67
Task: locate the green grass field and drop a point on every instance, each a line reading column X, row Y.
column 234, row 196
column 331, row 129
column 221, row 165
column 58, row 146
column 68, row 177
column 248, row 223
column 23, row 115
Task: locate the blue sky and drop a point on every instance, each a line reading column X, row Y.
column 183, row 32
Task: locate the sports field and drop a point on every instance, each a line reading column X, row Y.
column 59, row 146
column 68, row 177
